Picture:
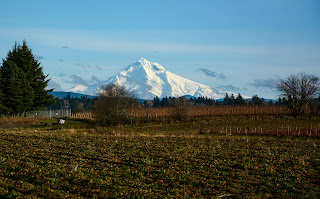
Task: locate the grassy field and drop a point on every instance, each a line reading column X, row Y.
column 163, row 159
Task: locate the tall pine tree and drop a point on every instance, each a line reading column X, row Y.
column 239, row 100
column 2, row 107
column 226, row 99
column 256, row 100
column 22, row 56
column 15, row 88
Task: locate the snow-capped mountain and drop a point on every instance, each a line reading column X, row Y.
column 149, row 79
column 78, row 89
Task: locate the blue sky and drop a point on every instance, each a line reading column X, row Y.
column 240, row 46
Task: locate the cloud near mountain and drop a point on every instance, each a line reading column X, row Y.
column 213, row 74
column 149, row 79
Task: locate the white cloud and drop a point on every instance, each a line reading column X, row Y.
column 265, row 83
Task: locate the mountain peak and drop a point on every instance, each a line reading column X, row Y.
column 149, row 79
column 147, row 65
column 141, row 59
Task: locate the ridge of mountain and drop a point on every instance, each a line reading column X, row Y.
column 149, row 79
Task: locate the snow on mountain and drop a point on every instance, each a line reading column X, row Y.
column 78, row 89
column 149, row 79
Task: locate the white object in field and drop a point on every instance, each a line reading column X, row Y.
column 61, row 121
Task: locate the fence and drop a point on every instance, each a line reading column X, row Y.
column 82, row 115
column 50, row 113
column 58, row 113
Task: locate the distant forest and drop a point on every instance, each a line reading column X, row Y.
column 201, row 101
column 76, row 104
column 84, row 103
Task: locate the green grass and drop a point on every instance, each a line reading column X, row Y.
column 153, row 161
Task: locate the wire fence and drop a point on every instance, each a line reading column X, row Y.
column 56, row 113
column 49, row 113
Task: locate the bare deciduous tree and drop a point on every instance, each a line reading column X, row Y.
column 113, row 104
column 299, row 91
column 181, row 108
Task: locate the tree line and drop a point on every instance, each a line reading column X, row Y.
column 84, row 103
column 200, row 101
column 22, row 82
column 76, row 104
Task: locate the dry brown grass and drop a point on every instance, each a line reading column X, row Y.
column 198, row 111
column 17, row 122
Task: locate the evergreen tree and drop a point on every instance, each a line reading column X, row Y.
column 156, row 102
column 2, row 107
column 164, row 102
column 270, row 102
column 239, row 100
column 22, row 56
column 281, row 101
column 210, row 102
column 232, row 99
column 16, row 88
column 226, row 99
column 256, row 100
